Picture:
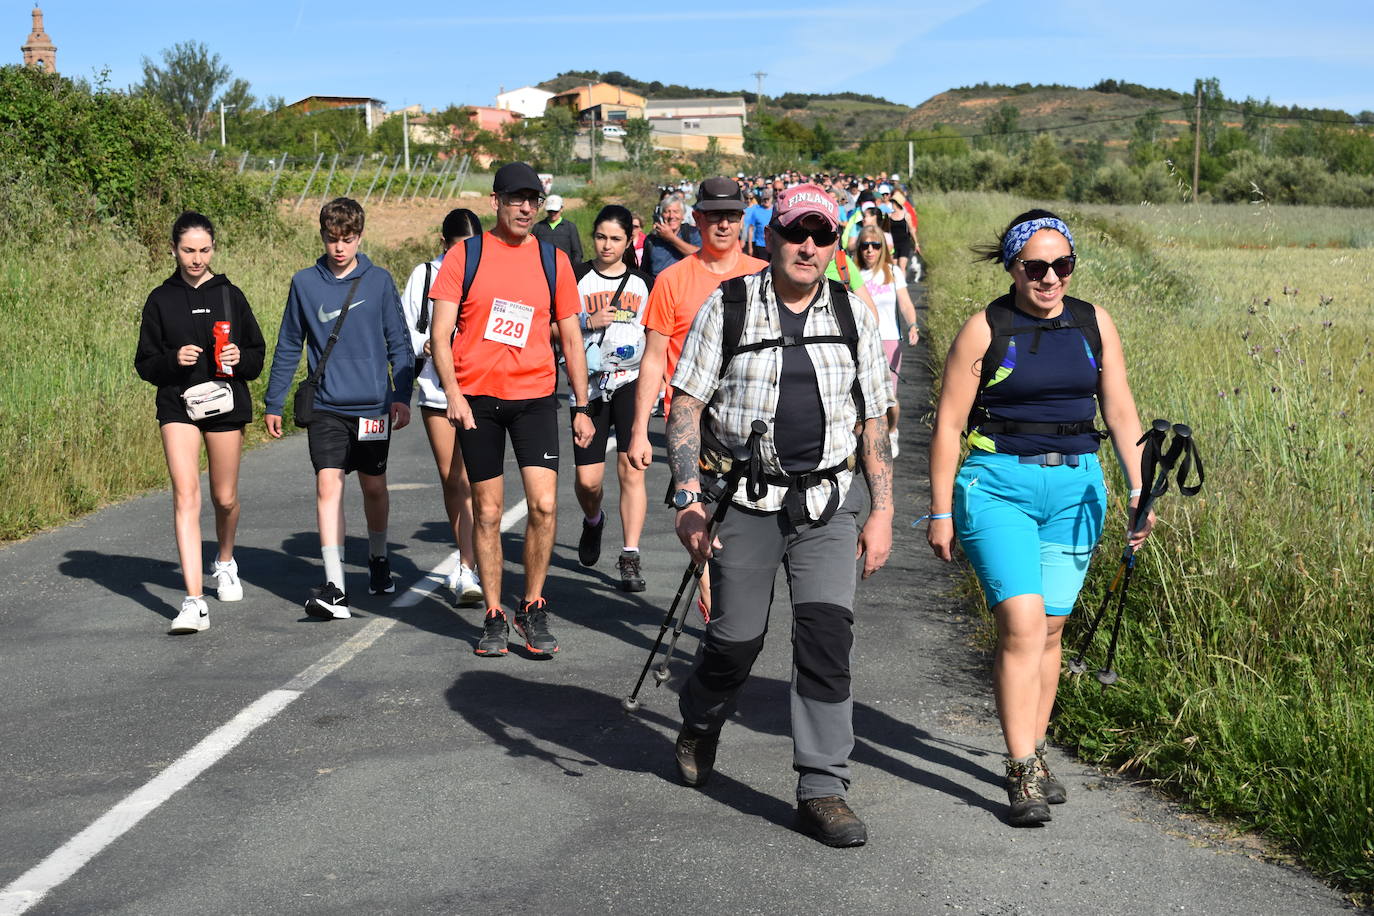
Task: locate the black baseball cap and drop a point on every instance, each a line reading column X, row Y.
column 516, row 176
column 720, row 193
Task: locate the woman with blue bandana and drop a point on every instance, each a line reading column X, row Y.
column 1029, row 503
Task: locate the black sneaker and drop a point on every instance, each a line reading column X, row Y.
column 1027, row 798
column 696, row 757
column 327, row 602
column 1054, row 790
column 832, row 821
column 379, row 581
column 589, row 545
column 495, row 634
column 532, row 622
column 631, row 579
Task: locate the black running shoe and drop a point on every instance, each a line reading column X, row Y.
column 1027, row 797
column 380, row 581
column 832, row 821
column 696, row 756
column 631, row 579
column 532, row 620
column 327, row 602
column 589, row 545
column 495, row 634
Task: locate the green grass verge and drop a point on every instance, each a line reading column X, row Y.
column 1247, row 656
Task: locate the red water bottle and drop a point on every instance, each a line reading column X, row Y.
column 221, row 341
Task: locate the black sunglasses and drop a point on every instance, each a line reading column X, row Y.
column 873, row 245
column 796, row 234
column 1036, row 270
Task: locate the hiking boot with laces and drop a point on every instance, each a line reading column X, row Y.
column 631, row 578
column 831, row 820
column 1028, row 807
column 1054, row 790
column 589, row 544
column 696, row 756
column 495, row 634
column 532, row 620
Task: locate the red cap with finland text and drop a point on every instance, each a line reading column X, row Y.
column 805, row 200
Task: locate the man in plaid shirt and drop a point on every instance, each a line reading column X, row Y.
column 794, row 369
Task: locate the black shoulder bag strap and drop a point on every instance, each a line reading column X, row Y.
column 422, row 325
column 334, row 333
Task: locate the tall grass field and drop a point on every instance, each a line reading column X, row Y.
column 1247, row 656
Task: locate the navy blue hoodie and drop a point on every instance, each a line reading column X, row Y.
column 356, row 381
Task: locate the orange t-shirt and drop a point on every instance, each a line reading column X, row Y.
column 679, row 293
column 502, row 348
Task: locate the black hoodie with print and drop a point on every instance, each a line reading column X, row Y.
column 177, row 314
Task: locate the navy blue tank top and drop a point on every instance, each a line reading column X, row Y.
column 1055, row 384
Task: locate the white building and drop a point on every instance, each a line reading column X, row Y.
column 697, row 108
column 527, row 101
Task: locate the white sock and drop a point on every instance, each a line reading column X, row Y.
column 333, row 565
column 226, row 564
column 629, row 550
column 376, row 543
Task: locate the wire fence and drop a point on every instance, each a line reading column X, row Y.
column 324, row 177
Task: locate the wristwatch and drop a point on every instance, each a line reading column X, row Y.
column 684, row 498
column 584, row 409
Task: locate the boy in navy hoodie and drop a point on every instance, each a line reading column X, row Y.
column 358, row 401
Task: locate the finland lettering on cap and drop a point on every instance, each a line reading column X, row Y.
column 805, row 200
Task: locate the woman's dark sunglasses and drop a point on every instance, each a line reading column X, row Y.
column 1036, row 270
column 874, row 245
column 797, row 234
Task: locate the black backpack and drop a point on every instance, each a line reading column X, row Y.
column 1003, row 321
column 472, row 259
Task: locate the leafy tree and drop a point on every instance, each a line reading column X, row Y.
column 709, row 160
column 1001, row 126
column 1045, row 172
column 186, row 83
column 1143, row 146
column 1212, row 104
column 638, row 142
column 557, row 131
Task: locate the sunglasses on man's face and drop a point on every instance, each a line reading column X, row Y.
column 1036, row 270
column 796, row 234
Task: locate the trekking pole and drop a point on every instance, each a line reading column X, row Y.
column 1181, row 446
column 1153, row 440
column 724, row 492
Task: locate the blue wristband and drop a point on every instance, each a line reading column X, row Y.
column 934, row 517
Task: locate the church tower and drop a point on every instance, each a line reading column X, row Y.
column 39, row 51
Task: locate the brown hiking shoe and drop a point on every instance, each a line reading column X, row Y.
column 1028, row 807
column 696, row 757
column 832, row 821
column 1054, row 790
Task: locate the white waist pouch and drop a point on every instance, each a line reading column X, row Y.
column 208, row 399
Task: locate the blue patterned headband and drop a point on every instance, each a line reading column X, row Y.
column 1017, row 236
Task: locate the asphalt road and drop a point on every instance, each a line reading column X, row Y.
column 235, row 772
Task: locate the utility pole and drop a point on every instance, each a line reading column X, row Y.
column 758, row 103
column 1197, row 141
column 405, row 136
column 591, row 135
column 221, row 121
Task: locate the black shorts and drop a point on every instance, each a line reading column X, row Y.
column 209, row 424
column 533, row 428
column 618, row 409
column 334, row 444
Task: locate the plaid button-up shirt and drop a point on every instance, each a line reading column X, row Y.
column 749, row 390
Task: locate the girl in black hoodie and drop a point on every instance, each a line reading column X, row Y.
column 176, row 349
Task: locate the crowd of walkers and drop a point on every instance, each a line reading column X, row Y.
column 765, row 320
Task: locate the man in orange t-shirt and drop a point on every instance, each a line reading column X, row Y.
column 680, row 290
column 499, row 378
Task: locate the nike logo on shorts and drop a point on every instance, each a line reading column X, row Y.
column 326, row 317
column 548, row 457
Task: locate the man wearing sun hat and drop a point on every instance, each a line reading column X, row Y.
column 559, row 232
column 810, row 363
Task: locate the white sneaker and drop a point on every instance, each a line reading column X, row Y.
column 226, row 575
column 892, row 437
column 466, row 587
column 194, row 616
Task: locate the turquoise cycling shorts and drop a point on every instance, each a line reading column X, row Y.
column 1028, row 529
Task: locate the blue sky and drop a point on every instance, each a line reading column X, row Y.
column 1316, row 53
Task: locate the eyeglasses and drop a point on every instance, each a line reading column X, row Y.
column 1036, row 270
column 721, row 216
column 519, row 198
column 797, row 234
column 876, row 246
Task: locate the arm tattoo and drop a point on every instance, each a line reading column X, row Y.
column 875, row 449
column 684, row 437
